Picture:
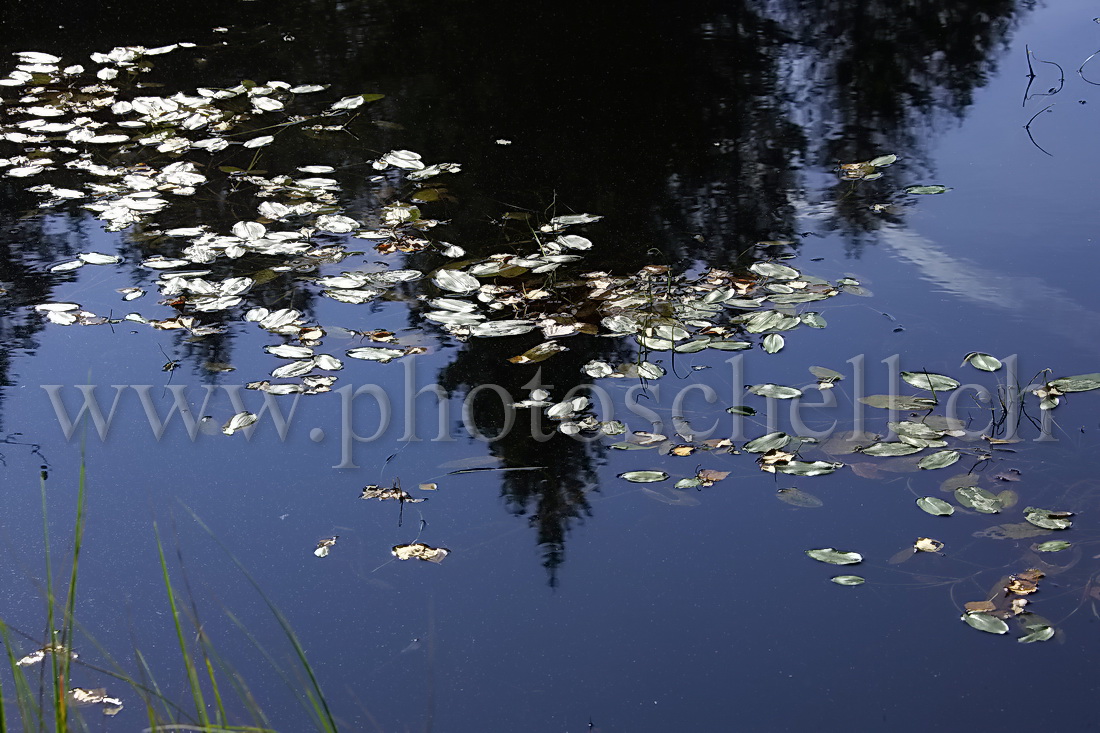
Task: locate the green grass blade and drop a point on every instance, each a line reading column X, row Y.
column 315, row 696
column 29, row 712
column 189, row 664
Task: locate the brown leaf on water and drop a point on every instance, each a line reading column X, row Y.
column 682, row 450
column 374, row 491
column 80, row 696
column 980, row 606
column 323, row 546
column 716, row 443
column 773, row 458
column 709, row 477
column 420, row 551
column 926, row 544
column 1021, row 587
column 1032, row 574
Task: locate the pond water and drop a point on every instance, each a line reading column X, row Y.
column 710, row 138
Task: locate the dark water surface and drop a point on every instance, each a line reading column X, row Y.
column 574, row 599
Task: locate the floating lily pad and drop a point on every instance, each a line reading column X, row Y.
column 985, row 622
column 978, row 499
column 985, row 362
column 1041, row 633
column 835, row 557
column 848, row 580
column 1047, row 519
column 1052, row 546
column 939, row 459
column 930, row 382
column 644, row 477
column 936, row 507
column 807, row 468
column 768, row 442
column 927, row 190
column 890, row 449
column 1080, row 383
column 773, row 342
column 777, row 391
column 898, row 402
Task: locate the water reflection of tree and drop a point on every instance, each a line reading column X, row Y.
column 692, row 127
column 555, row 496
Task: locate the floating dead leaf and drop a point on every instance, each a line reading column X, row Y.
column 682, row 450
column 1021, row 587
column 428, row 487
column 239, row 421
column 773, row 458
column 710, row 477
column 1012, row 474
column 539, row 353
column 39, row 654
column 111, row 705
column 388, row 493
column 324, row 545
column 980, row 606
column 926, row 544
column 420, row 551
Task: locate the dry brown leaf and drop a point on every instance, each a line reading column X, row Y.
column 709, row 477
column 926, row 544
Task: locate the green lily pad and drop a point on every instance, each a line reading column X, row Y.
column 773, row 342
column 1052, row 546
column 777, row 391
column 644, row 477
column 1041, row 633
column 939, row 459
column 978, row 499
column 1080, row 383
column 918, row 430
column 898, row 402
column 1047, row 519
column 848, row 580
column 936, row 507
column 985, row 622
column 835, row 557
column 985, row 362
column 890, row 449
column 741, row 410
column 808, row 468
column 813, row 319
column 927, row 190
column 730, row 345
column 930, row 382
column 768, row 442
column 774, row 270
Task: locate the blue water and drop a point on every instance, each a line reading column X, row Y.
column 572, row 599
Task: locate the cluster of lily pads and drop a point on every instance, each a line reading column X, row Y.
column 135, row 155
column 132, row 155
column 921, row 432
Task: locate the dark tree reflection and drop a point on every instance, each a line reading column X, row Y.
column 697, row 129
